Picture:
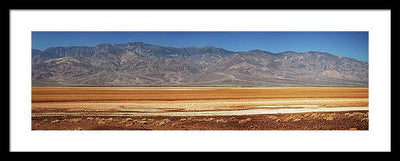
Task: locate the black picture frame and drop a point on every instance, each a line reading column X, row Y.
column 144, row 5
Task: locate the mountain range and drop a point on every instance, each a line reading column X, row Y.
column 142, row 64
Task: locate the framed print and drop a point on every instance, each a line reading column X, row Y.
column 200, row 80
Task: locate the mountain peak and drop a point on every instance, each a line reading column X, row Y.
column 289, row 52
column 140, row 64
column 135, row 43
column 258, row 51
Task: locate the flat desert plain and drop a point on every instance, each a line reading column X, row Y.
column 199, row 108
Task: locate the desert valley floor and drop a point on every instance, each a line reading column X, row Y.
column 199, row 108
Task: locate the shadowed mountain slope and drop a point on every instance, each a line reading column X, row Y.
column 141, row 64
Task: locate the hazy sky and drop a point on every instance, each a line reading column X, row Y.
column 348, row 44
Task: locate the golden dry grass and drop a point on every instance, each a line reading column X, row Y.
column 190, row 99
column 106, row 94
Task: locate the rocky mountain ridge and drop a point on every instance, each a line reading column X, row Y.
column 142, row 64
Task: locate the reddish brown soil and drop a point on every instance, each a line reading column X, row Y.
column 355, row 120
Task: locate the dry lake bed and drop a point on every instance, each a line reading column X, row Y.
column 199, row 108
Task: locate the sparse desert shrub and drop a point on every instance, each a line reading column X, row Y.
column 245, row 121
column 55, row 121
column 288, row 118
column 121, row 122
column 78, row 128
column 221, row 121
column 358, row 114
column 330, row 118
column 142, row 122
column 101, row 122
column 164, row 122
column 272, row 117
column 167, row 120
column 297, row 119
column 75, row 120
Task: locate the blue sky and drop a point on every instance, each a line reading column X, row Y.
column 348, row 44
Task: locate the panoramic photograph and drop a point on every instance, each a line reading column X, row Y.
column 166, row 80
